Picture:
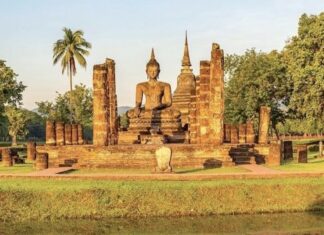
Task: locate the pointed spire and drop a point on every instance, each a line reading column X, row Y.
column 152, row 54
column 186, row 58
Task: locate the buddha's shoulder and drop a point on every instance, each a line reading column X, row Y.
column 141, row 84
column 164, row 84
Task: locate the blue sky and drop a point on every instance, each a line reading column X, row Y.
column 126, row 30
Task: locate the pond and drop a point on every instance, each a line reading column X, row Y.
column 285, row 223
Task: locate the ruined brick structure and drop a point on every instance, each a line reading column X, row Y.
column 264, row 122
column 186, row 83
column 105, row 122
column 207, row 112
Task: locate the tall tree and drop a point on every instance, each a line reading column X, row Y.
column 10, row 89
column 73, row 47
column 252, row 80
column 17, row 122
column 304, row 55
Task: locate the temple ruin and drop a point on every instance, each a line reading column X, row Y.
column 190, row 122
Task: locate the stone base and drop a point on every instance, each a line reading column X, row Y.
column 134, row 137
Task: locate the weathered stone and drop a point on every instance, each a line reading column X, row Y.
column 75, row 134
column 242, row 133
column 80, row 134
column 288, row 150
column 7, row 160
column 227, row 133
column 41, row 162
column 264, row 122
column 105, row 118
column 250, row 135
column 68, row 134
column 163, row 160
column 59, row 133
column 216, row 105
column 50, row 133
column 234, row 134
column 302, row 153
column 31, row 150
column 274, row 158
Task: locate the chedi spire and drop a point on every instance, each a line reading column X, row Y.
column 186, row 57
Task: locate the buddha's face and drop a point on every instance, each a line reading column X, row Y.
column 152, row 72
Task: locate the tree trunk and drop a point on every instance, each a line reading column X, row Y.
column 14, row 140
column 71, row 110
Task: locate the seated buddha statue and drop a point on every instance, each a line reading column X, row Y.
column 157, row 112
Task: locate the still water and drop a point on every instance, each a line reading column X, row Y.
column 286, row 223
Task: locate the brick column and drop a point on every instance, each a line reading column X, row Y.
column 50, row 133
column 31, row 150
column 80, row 134
column 227, row 133
column 274, row 158
column 216, row 104
column 242, row 133
column 59, row 131
column 74, row 134
column 264, row 122
column 68, row 134
column 302, row 153
column 7, row 160
column 203, row 106
column 234, row 134
column 250, row 135
column 100, row 122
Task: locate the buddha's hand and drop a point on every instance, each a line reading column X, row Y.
column 137, row 111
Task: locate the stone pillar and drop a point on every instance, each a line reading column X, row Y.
column 216, row 104
column 50, row 133
column 7, row 160
column 288, row 150
column 264, row 123
column 242, row 133
column 301, row 153
column 112, row 105
column 80, row 134
column 227, row 133
column 203, row 107
column 31, row 150
column 74, row 134
column 274, row 158
column 68, row 134
column 234, row 134
column 41, row 161
column 250, row 135
column 60, row 139
column 100, row 122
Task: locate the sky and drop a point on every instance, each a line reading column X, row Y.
column 126, row 30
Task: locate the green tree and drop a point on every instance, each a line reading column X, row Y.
column 10, row 89
column 73, row 47
column 304, row 56
column 252, row 80
column 17, row 120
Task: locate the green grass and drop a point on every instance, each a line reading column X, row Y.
column 222, row 170
column 43, row 199
column 17, row 169
column 313, row 165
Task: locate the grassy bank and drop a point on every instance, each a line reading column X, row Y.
column 40, row 199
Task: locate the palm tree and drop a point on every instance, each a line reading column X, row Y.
column 72, row 47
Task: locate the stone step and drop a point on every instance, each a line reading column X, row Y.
column 241, row 153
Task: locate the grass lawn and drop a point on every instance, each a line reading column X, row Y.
column 46, row 199
column 221, row 170
column 17, row 169
column 313, row 165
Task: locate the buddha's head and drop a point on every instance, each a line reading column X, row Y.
column 152, row 67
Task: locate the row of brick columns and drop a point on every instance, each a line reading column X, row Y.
column 244, row 133
column 59, row 133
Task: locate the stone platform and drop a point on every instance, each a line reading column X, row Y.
column 141, row 156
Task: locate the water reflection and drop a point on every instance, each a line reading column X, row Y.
column 287, row 223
